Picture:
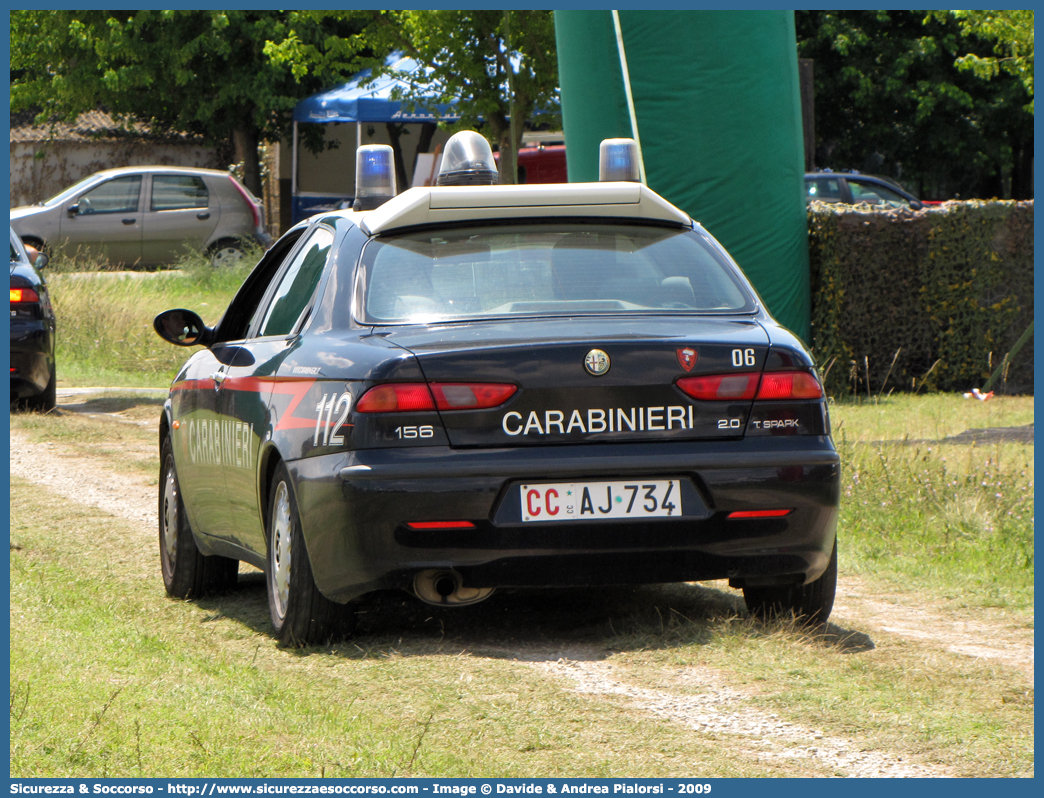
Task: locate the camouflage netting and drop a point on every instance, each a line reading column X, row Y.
column 949, row 288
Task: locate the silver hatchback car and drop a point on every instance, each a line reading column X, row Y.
column 147, row 215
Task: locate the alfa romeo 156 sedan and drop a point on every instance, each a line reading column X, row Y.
column 468, row 387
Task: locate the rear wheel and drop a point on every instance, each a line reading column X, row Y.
column 45, row 401
column 187, row 573
column 301, row 615
column 810, row 603
column 225, row 253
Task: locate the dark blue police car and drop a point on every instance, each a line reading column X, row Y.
column 33, row 374
column 471, row 386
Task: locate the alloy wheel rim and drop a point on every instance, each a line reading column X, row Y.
column 281, row 554
column 170, row 517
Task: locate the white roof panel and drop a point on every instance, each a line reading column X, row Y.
column 449, row 204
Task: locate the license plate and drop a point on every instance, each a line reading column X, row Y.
column 593, row 501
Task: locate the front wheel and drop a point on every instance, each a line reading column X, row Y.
column 810, row 603
column 187, row 573
column 301, row 615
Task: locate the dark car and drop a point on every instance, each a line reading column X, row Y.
column 487, row 386
column 854, row 188
column 33, row 379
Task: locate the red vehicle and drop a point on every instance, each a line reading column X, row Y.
column 541, row 164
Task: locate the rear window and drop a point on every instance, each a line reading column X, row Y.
column 176, row 192
column 552, row 269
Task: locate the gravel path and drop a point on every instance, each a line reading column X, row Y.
column 719, row 709
column 708, row 706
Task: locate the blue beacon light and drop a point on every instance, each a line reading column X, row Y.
column 618, row 160
column 374, row 176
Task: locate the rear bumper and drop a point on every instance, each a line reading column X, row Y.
column 32, row 356
column 355, row 507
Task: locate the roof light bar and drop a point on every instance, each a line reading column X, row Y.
column 374, row 176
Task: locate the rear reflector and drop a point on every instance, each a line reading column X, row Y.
column 403, row 397
column 24, row 295
column 396, row 398
column 440, row 525
column 471, row 396
column 770, row 385
column 759, row 513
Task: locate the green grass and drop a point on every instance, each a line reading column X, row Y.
column 896, row 695
column 105, row 334
column 927, row 416
column 955, row 520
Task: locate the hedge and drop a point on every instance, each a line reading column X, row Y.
column 921, row 300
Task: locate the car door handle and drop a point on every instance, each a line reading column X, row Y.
column 203, row 215
column 129, row 221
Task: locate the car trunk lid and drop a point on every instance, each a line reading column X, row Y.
column 560, row 401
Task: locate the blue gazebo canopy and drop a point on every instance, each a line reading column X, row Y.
column 354, row 102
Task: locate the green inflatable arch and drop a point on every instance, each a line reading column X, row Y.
column 718, row 112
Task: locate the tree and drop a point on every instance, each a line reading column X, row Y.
column 891, row 99
column 497, row 66
column 200, row 72
column 1011, row 33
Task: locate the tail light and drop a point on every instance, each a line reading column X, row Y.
column 396, row 398
column 760, row 387
column 413, row 396
column 720, row 387
column 23, row 295
column 255, row 209
column 789, row 385
column 471, row 396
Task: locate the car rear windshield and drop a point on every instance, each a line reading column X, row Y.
column 547, row 269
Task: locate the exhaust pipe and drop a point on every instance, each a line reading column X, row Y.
column 445, row 587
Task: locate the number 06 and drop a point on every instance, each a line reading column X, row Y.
column 743, row 357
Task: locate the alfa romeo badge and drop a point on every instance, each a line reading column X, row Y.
column 597, row 362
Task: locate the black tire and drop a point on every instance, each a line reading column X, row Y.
column 811, row 603
column 45, row 401
column 187, row 573
column 301, row 615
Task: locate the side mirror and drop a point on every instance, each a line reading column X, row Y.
column 73, row 209
column 182, row 328
column 41, row 260
column 916, row 205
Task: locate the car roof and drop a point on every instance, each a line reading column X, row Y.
column 452, row 204
column 158, row 168
column 860, row 177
